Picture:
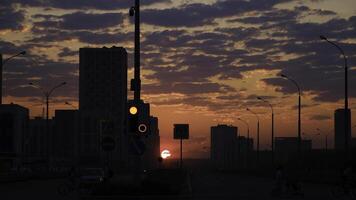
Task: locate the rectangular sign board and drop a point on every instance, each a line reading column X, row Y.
column 181, row 131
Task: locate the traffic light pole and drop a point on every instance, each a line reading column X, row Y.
column 181, row 153
column 137, row 80
column 0, row 79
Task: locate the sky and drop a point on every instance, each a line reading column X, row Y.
column 203, row 62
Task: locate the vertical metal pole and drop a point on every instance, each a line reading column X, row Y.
column 47, row 130
column 326, row 143
column 137, row 79
column 272, row 142
column 258, row 141
column 299, row 127
column 346, row 110
column 248, row 146
column 1, row 78
column 181, row 153
column 239, row 148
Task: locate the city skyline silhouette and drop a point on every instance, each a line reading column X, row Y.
column 180, row 87
column 104, row 84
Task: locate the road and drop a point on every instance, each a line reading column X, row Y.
column 205, row 186
column 238, row 186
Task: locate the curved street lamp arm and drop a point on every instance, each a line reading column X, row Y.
column 338, row 47
column 258, row 119
column 294, row 82
column 39, row 87
column 267, row 102
column 248, row 126
column 55, row 87
column 13, row 56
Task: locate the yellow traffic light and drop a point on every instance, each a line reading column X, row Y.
column 133, row 110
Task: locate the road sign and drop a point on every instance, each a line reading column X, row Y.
column 107, row 127
column 137, row 146
column 108, row 143
column 181, row 131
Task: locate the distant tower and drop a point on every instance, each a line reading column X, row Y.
column 103, row 96
column 339, row 127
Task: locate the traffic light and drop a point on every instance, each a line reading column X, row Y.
column 133, row 118
column 138, row 118
column 107, row 127
column 143, row 126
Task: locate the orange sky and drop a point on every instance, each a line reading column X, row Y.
column 171, row 107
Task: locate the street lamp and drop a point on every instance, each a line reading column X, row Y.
column 346, row 106
column 2, row 65
column 272, row 131
column 258, row 133
column 47, row 94
column 299, row 112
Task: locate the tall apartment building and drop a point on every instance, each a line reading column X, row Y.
column 13, row 135
column 102, row 96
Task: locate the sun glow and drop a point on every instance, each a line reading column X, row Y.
column 165, row 154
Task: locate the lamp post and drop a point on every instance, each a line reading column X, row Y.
column 258, row 134
column 272, row 127
column 326, row 139
column 346, row 106
column 248, row 137
column 299, row 112
column 47, row 94
column 2, row 65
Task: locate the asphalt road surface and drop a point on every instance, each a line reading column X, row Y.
column 218, row 186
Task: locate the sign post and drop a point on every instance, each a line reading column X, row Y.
column 181, row 132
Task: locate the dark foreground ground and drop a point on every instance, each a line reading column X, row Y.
column 205, row 185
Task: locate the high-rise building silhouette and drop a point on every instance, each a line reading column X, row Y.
column 339, row 128
column 37, row 143
column 103, row 97
column 65, row 138
column 223, row 146
column 13, row 132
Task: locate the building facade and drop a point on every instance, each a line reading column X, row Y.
column 65, row 148
column 223, row 146
column 13, row 135
column 37, row 146
column 102, row 96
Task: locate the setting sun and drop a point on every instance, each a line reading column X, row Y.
column 165, row 154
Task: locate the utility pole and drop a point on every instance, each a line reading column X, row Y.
column 136, row 82
column 0, row 79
